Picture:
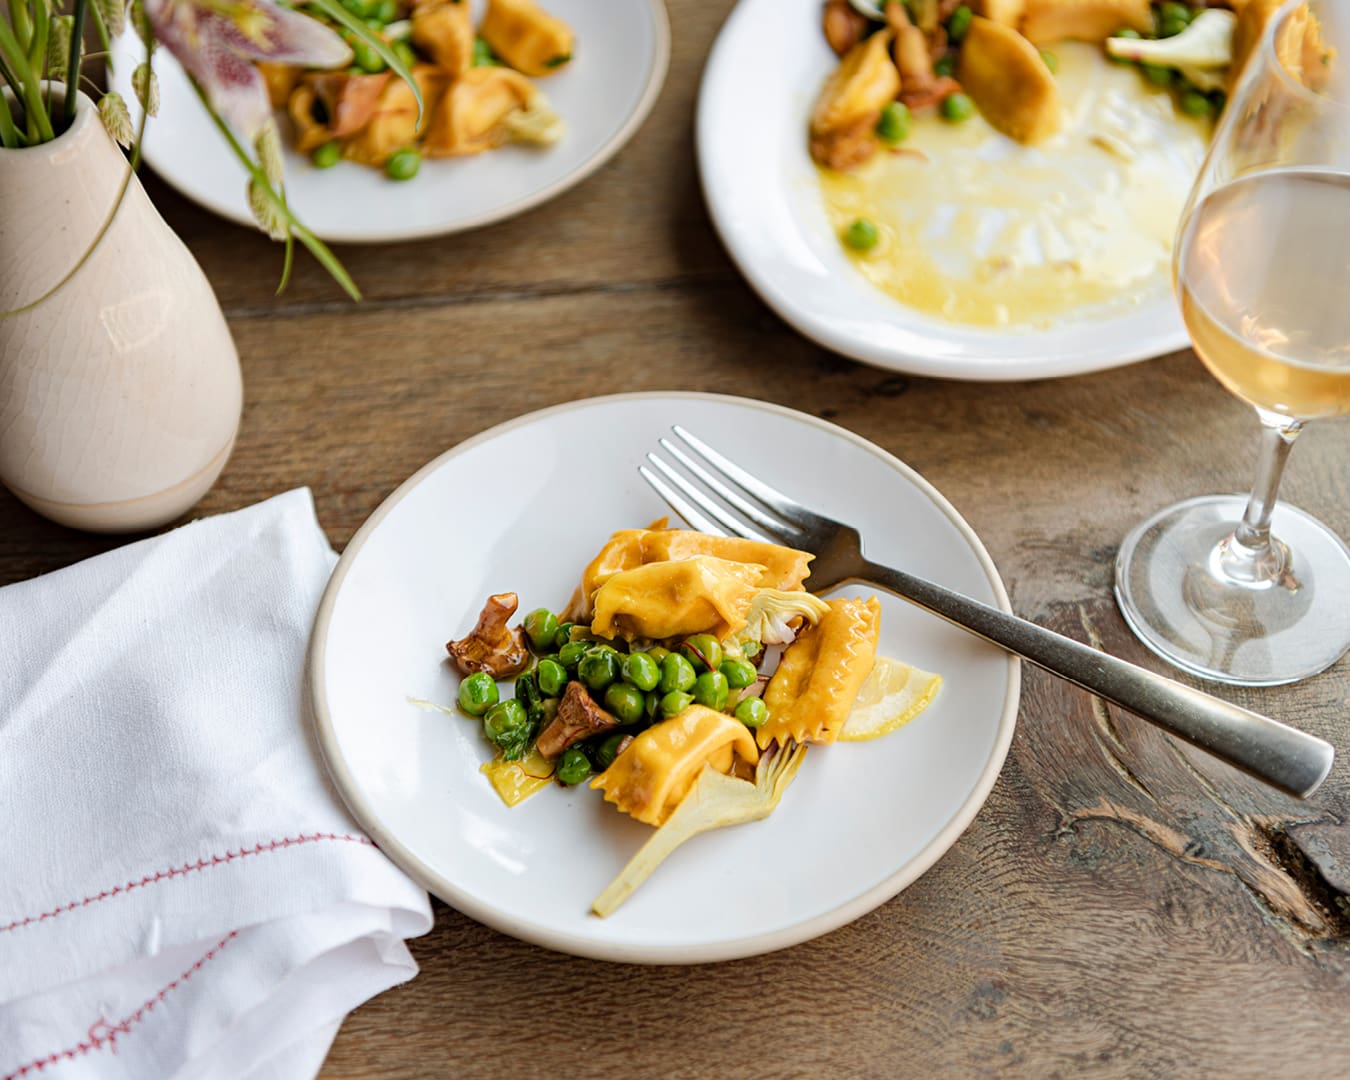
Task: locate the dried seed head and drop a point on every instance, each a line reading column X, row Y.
column 112, row 110
column 140, row 22
column 114, row 15
column 146, row 84
column 58, row 45
column 265, row 211
column 268, row 145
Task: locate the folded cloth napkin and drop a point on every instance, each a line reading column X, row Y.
column 182, row 893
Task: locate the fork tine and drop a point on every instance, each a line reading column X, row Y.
column 704, row 503
column 771, row 497
column 751, row 511
column 676, row 503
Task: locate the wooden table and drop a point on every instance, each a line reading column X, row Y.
column 1120, row 907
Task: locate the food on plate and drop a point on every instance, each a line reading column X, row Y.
column 477, row 85
column 979, row 177
column 680, row 655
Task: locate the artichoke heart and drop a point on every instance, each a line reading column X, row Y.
column 771, row 612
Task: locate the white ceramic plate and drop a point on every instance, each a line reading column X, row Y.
column 604, row 95
column 761, row 80
column 523, row 508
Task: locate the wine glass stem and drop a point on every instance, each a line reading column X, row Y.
column 1250, row 556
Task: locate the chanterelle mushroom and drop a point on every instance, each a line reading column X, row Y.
column 579, row 717
column 492, row 646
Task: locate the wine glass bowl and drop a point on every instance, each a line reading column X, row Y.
column 1246, row 590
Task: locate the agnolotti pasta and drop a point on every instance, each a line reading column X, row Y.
column 674, row 599
column 784, row 568
column 812, row 692
column 657, row 769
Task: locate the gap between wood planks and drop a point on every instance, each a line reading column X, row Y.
column 343, row 306
column 1257, row 850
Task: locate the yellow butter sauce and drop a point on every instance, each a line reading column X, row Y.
column 979, row 230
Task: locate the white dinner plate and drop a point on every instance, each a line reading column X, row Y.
column 761, row 81
column 603, row 95
column 522, row 508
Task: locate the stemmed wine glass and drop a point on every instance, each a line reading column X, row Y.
column 1255, row 592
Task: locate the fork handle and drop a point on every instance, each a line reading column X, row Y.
column 1285, row 757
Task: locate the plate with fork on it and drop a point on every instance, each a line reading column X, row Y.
column 861, row 820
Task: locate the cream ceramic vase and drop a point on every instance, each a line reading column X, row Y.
column 120, row 394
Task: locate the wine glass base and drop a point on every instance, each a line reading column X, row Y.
column 1175, row 598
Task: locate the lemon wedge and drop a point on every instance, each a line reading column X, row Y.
column 892, row 695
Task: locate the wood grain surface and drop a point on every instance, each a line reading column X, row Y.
column 1122, row 906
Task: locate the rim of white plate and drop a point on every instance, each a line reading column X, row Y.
column 976, row 364
column 635, row 119
column 578, row 945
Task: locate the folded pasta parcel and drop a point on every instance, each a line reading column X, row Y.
column 655, row 772
column 813, row 689
column 703, row 594
column 781, row 568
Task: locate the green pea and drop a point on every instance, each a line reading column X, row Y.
column 327, row 155
column 625, row 702
column 366, row 58
column 674, row 703
column 738, row 673
column 541, row 627
column 641, row 670
column 945, row 65
column 482, row 54
column 506, row 723
column 570, row 654
column 677, row 673
column 1051, row 61
column 703, row 651
column 1194, row 103
column 385, row 10
column 1172, row 10
column 893, row 127
column 552, row 677
column 604, row 754
column 477, row 693
column 658, row 652
column 862, row 235
column 403, row 165
column 957, row 107
column 404, row 52
column 959, row 23
column 752, row 712
column 598, row 668
column 564, row 634
column 1158, row 76
column 711, row 690
column 1170, row 27
column 573, row 767
column 359, row 8
column 652, row 709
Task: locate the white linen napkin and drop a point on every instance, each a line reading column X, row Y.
column 182, row 893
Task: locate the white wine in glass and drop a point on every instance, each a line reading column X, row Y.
column 1247, row 590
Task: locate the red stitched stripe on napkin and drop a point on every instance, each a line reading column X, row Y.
column 103, row 1033
column 181, row 871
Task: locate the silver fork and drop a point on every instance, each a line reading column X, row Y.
column 1282, row 756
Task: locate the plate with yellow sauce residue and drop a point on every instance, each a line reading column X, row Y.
column 995, row 260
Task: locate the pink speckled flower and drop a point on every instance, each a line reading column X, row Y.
column 219, row 41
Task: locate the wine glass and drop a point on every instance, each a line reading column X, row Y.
column 1250, row 591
